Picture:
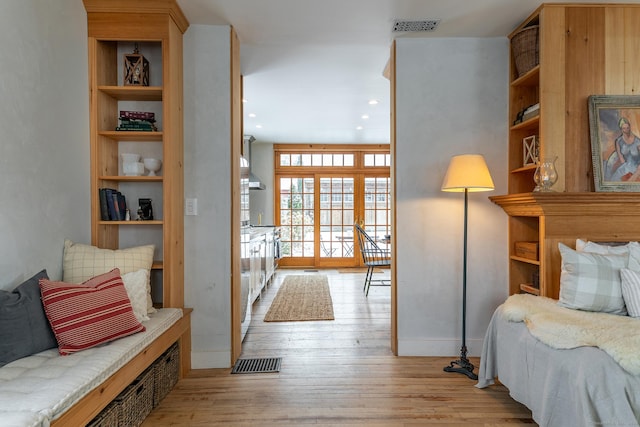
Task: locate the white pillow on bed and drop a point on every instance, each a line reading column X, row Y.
column 631, row 291
column 634, row 256
column 602, row 249
column 136, row 285
column 591, row 281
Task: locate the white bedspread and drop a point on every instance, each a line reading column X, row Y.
column 580, row 387
column 37, row 389
column 564, row 328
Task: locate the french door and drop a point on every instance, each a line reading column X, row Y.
column 338, row 208
column 318, row 203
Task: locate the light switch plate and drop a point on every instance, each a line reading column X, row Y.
column 191, row 206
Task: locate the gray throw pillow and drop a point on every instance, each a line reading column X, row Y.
column 24, row 328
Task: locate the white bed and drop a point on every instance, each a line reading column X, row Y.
column 579, row 387
column 36, row 390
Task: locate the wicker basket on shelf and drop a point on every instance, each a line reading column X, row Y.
column 525, row 49
column 166, row 371
column 136, row 401
column 108, row 417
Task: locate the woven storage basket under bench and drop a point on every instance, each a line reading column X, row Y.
column 132, row 406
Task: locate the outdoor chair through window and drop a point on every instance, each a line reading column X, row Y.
column 373, row 257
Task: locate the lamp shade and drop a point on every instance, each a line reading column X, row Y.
column 467, row 172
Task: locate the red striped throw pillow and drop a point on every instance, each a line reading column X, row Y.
column 92, row 313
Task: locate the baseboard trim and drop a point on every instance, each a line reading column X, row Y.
column 210, row 359
column 438, row 347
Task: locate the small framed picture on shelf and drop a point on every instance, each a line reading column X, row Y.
column 530, row 150
column 614, row 122
column 145, row 211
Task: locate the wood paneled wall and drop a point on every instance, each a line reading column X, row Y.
column 584, row 50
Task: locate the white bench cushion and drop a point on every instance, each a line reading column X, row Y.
column 48, row 384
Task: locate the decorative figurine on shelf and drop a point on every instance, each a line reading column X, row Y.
column 136, row 69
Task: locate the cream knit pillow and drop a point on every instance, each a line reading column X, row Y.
column 82, row 262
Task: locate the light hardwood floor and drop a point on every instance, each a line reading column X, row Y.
column 335, row 373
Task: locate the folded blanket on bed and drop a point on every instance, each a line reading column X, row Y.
column 565, row 328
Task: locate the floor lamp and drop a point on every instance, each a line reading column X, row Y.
column 466, row 173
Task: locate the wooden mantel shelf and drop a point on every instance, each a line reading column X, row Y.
column 553, row 218
column 580, row 204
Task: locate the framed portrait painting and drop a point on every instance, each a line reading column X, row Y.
column 614, row 122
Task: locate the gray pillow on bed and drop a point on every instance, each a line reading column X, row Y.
column 591, row 281
column 24, row 328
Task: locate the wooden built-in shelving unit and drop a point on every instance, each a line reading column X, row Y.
column 583, row 50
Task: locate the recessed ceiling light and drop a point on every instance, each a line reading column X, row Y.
column 365, row 116
column 373, row 102
column 359, row 128
column 252, row 115
column 244, row 100
column 259, row 126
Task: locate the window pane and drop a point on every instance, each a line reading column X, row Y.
column 285, row 201
column 369, row 160
column 308, row 185
column 325, row 203
column 296, row 185
column 308, row 201
column 296, row 201
column 308, row 234
column 348, row 217
column 308, row 249
column 308, row 217
column 306, row 160
column 285, row 160
column 296, row 249
column 326, row 160
column 348, row 159
column 325, row 216
column 337, row 160
column 285, row 217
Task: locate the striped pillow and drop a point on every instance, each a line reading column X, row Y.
column 631, row 291
column 90, row 314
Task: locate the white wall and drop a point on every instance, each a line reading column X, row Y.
column 451, row 99
column 44, row 142
column 207, row 164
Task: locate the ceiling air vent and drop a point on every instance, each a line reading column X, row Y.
column 401, row 26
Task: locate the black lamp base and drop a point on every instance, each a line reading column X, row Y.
column 463, row 365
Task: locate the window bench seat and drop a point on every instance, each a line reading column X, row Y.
column 49, row 389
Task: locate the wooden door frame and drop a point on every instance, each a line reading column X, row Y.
column 236, row 340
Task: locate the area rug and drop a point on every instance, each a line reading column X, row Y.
column 357, row 270
column 302, row 298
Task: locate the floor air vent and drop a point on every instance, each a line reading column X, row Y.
column 257, row 366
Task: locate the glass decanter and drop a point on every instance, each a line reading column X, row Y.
column 545, row 175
